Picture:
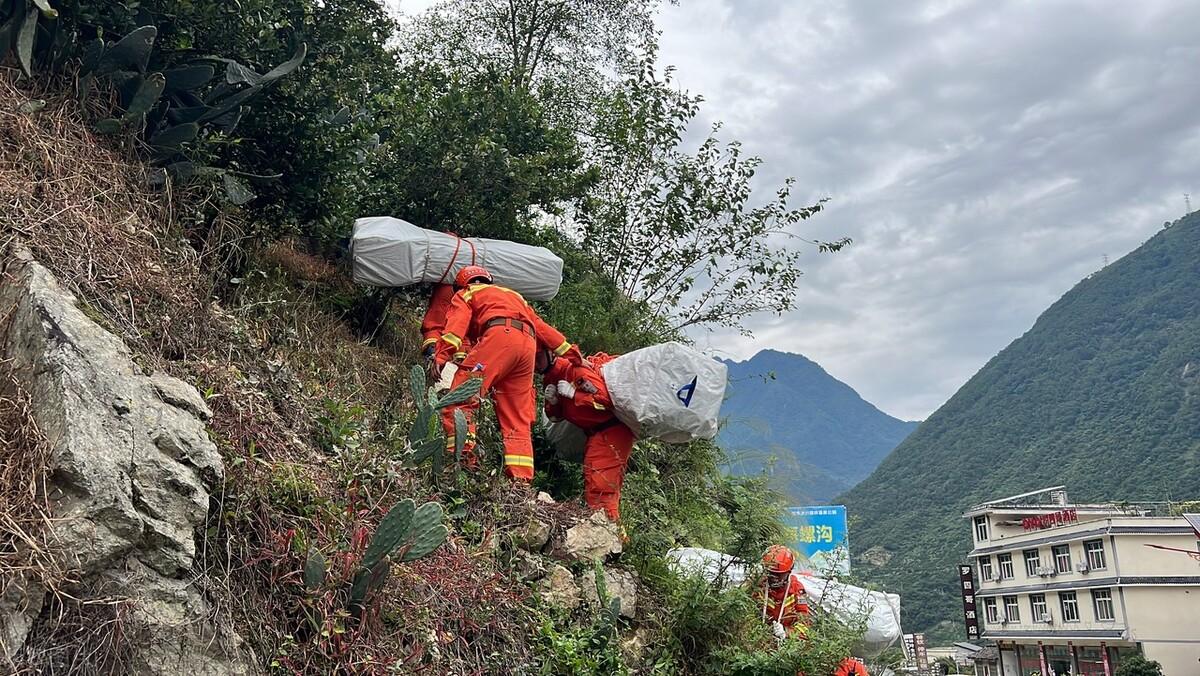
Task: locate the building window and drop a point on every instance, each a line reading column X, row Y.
column 1095, row 554
column 989, row 611
column 1012, row 612
column 1062, row 558
column 1006, row 569
column 985, row 568
column 1102, row 602
column 1032, row 562
column 1070, row 606
column 1037, row 603
column 980, row 528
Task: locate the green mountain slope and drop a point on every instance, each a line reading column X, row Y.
column 1102, row 394
column 815, row 433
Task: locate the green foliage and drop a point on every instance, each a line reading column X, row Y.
column 712, row 630
column 167, row 96
column 340, row 425
column 588, row 650
column 406, row 533
column 676, row 230
column 1138, row 665
column 1099, row 395
column 463, row 152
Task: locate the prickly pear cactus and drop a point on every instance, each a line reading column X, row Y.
column 406, row 533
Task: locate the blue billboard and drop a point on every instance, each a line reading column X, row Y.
column 819, row 534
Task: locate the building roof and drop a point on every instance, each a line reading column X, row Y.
column 989, row 654
column 971, row 647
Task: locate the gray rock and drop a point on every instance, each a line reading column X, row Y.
column 533, row 536
column 618, row 584
column 131, row 470
column 592, row 540
column 558, row 588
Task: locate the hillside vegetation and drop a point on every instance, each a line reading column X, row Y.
column 816, row 435
column 1102, row 394
column 191, row 169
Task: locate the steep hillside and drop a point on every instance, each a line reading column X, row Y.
column 1102, row 394
column 823, row 436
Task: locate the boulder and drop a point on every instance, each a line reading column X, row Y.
column 558, row 588
column 618, row 584
column 534, row 536
column 131, row 469
column 592, row 540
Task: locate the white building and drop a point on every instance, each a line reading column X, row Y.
column 1074, row 589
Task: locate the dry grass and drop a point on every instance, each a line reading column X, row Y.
column 272, row 353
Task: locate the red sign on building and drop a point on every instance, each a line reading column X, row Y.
column 1059, row 518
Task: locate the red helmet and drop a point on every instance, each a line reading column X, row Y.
column 470, row 273
column 779, row 559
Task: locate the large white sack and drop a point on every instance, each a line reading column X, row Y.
column 668, row 391
column 847, row 603
column 392, row 252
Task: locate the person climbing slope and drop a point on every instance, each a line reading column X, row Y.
column 785, row 602
column 579, row 395
column 503, row 333
column 432, row 326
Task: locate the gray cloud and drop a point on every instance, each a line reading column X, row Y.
column 984, row 156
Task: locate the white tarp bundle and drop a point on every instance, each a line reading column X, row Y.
column 391, row 252
column 850, row 604
column 847, row 603
column 668, row 391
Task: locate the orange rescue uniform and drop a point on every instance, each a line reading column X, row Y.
column 609, row 441
column 787, row 605
column 851, row 667
column 504, row 333
column 434, row 321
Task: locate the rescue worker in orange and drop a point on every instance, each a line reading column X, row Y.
column 504, row 334
column 579, row 395
column 785, row 602
column 432, row 326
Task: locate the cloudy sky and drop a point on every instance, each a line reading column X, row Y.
column 983, row 155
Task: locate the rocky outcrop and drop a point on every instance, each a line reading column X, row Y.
column 132, row 469
column 620, row 585
column 559, row 588
column 592, row 540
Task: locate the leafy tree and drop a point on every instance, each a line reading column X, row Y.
column 463, row 152
column 1138, row 665
column 563, row 50
column 676, row 230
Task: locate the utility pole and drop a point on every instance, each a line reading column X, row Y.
column 1187, row 203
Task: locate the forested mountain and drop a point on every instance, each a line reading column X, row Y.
column 1102, row 394
column 820, row 434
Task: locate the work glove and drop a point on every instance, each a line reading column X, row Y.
column 778, row 631
column 427, row 351
column 447, row 378
column 551, row 393
column 565, row 389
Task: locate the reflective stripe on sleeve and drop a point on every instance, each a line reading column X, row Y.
column 562, row 349
column 452, row 339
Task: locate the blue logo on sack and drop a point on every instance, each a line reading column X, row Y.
column 684, row 394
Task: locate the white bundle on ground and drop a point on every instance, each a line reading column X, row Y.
column 851, row 604
column 847, row 603
column 668, row 391
column 392, row 252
